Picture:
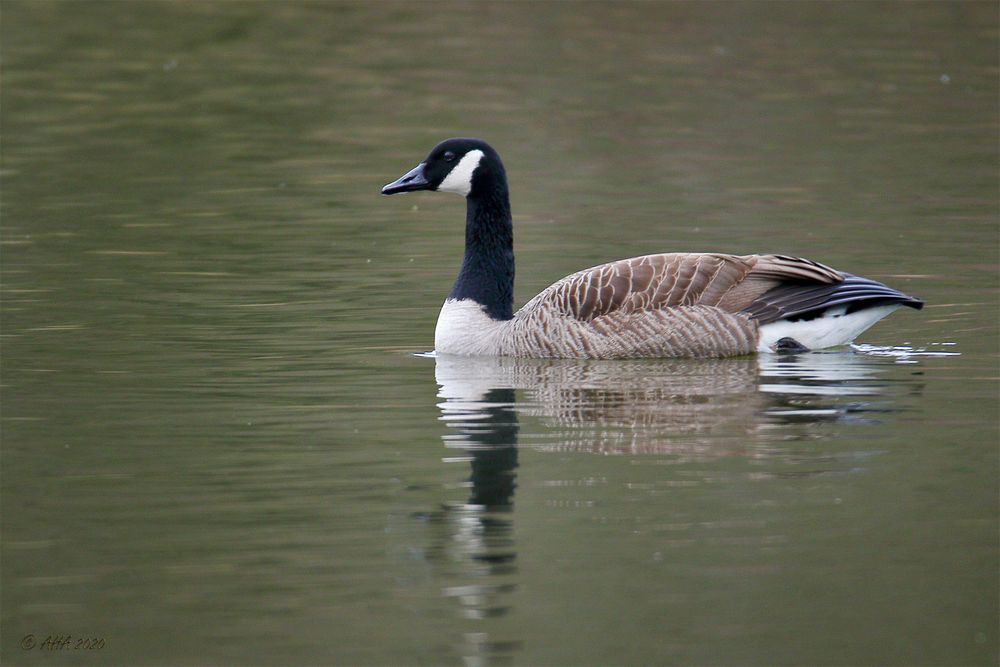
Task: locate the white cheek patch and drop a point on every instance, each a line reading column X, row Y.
column 459, row 179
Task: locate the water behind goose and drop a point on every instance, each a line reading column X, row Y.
column 218, row 447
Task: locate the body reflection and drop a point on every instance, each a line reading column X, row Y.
column 695, row 407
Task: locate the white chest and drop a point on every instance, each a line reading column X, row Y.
column 463, row 327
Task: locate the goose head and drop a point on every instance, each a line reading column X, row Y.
column 468, row 167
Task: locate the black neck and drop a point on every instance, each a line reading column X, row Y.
column 487, row 273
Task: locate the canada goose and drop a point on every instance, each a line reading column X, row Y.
column 666, row 305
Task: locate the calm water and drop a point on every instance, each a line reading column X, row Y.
column 219, row 445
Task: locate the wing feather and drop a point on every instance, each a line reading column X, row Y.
column 792, row 301
column 785, row 268
column 669, row 280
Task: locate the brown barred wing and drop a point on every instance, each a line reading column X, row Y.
column 648, row 283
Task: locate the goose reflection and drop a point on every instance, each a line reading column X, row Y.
column 707, row 407
column 488, row 436
column 484, row 430
column 679, row 407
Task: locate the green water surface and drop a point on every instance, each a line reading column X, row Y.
column 218, row 447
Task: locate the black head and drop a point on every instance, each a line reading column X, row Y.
column 462, row 166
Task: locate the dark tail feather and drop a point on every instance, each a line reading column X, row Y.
column 802, row 301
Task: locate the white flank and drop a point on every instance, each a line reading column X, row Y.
column 459, row 179
column 831, row 329
column 463, row 327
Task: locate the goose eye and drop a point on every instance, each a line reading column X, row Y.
column 449, row 156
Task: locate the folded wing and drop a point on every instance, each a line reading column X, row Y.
column 670, row 280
